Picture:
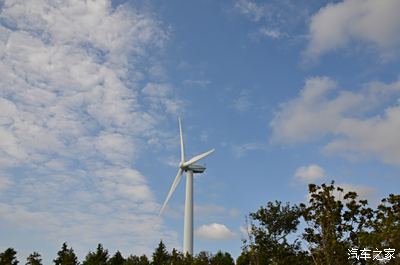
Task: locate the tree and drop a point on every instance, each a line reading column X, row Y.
column 132, row 260
column 160, row 255
column 383, row 230
column 387, row 222
column 99, row 257
column 8, row 257
column 335, row 223
column 333, row 227
column 117, row 259
column 66, row 256
column 187, row 259
column 203, row 258
column 269, row 229
column 143, row 260
column 222, row 258
column 34, row 259
column 244, row 258
column 135, row 260
column 176, row 257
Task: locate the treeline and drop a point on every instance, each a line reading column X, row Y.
column 336, row 229
column 333, row 228
column 160, row 256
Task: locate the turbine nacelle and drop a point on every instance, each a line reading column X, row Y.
column 196, row 168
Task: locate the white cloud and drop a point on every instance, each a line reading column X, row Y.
column 271, row 33
column 251, row 9
column 275, row 19
column 73, row 119
column 242, row 103
column 159, row 96
column 242, row 149
column 356, row 124
column 214, row 232
column 338, row 24
column 310, row 173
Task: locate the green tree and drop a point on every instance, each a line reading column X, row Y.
column 335, row 222
column 269, row 228
column 222, row 258
column 135, row 260
column 132, row 260
column 8, row 257
column 203, row 258
column 143, row 260
column 187, row 259
column 384, row 228
column 244, row 258
column 100, row 257
column 34, row 259
column 117, row 259
column 66, row 256
column 176, row 257
column 333, row 227
column 160, row 255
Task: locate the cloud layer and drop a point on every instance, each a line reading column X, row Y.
column 74, row 114
column 339, row 24
column 355, row 124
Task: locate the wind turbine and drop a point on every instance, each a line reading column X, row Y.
column 190, row 168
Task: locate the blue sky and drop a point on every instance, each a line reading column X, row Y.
column 288, row 92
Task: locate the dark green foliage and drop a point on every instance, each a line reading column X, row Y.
column 222, row 258
column 135, row 260
column 132, row 260
column 176, row 257
column 8, row 257
column 187, row 260
column 66, row 256
column 383, row 230
column 143, row 260
column 244, row 258
column 34, row 259
column 203, row 258
column 268, row 243
column 99, row 257
column 160, row 255
column 332, row 226
column 117, row 259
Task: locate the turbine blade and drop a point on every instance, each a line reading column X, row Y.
column 197, row 158
column 182, row 144
column 173, row 187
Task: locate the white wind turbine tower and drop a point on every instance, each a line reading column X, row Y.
column 190, row 168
